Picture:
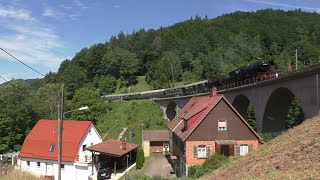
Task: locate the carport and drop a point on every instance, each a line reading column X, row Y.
column 114, row 153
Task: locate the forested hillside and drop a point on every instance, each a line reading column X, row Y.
column 189, row 51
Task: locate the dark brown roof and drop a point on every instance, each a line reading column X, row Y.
column 113, row 147
column 195, row 112
column 156, row 135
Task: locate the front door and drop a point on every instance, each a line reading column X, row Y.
column 225, row 150
column 49, row 169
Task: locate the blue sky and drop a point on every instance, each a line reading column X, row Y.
column 42, row 33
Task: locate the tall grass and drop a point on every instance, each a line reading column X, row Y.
column 14, row 174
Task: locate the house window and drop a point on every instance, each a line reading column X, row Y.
column 62, row 167
column 51, row 148
column 202, row 152
column 244, row 149
column 222, row 125
column 84, row 147
column 92, row 144
column 38, row 164
column 28, row 163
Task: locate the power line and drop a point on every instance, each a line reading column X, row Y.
column 22, row 62
column 4, row 79
column 8, row 82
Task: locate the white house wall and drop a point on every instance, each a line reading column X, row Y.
column 92, row 137
column 70, row 171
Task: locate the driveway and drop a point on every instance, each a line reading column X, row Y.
column 159, row 167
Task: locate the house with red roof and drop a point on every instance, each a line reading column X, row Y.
column 39, row 152
column 208, row 125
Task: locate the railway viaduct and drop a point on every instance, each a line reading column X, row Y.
column 270, row 99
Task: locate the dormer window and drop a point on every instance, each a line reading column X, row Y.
column 222, row 125
column 185, row 125
column 51, row 148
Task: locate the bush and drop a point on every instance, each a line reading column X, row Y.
column 266, row 136
column 140, row 158
column 212, row 163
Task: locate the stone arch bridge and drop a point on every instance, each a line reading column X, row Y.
column 270, row 99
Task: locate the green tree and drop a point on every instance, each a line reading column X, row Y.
column 140, row 158
column 121, row 63
column 295, row 114
column 17, row 115
column 250, row 117
column 87, row 96
column 47, row 100
column 105, row 84
column 170, row 67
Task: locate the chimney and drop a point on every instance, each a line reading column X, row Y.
column 213, row 91
column 124, row 145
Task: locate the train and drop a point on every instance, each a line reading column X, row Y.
column 251, row 73
column 257, row 71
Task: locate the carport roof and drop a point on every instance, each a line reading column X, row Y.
column 156, row 135
column 113, row 147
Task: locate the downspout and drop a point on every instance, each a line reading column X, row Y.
column 318, row 93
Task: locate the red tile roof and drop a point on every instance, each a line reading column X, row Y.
column 113, row 147
column 156, row 135
column 45, row 132
column 194, row 112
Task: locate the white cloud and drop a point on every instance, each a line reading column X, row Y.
column 20, row 37
column 30, row 41
column 80, row 4
column 116, row 6
column 19, row 14
column 49, row 12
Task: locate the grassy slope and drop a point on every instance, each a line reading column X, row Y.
column 16, row 174
column 293, row 155
column 142, row 85
column 130, row 114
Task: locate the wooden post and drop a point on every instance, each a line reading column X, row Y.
column 115, row 167
column 92, row 161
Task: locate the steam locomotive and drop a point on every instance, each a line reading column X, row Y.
column 258, row 71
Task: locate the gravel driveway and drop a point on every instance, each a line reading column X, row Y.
column 160, row 167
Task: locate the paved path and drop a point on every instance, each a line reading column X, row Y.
column 159, row 167
column 121, row 134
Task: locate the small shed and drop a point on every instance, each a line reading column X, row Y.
column 115, row 154
column 155, row 141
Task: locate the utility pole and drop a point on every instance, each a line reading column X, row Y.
column 60, row 125
column 172, row 74
column 142, row 135
column 296, row 59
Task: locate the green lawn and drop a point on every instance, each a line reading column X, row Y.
column 142, row 85
column 130, row 114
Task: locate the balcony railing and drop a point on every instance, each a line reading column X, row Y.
column 83, row 158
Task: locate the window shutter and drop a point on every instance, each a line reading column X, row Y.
column 250, row 147
column 195, row 151
column 237, row 150
column 208, row 151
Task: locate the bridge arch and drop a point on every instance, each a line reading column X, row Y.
column 276, row 110
column 172, row 110
column 241, row 104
